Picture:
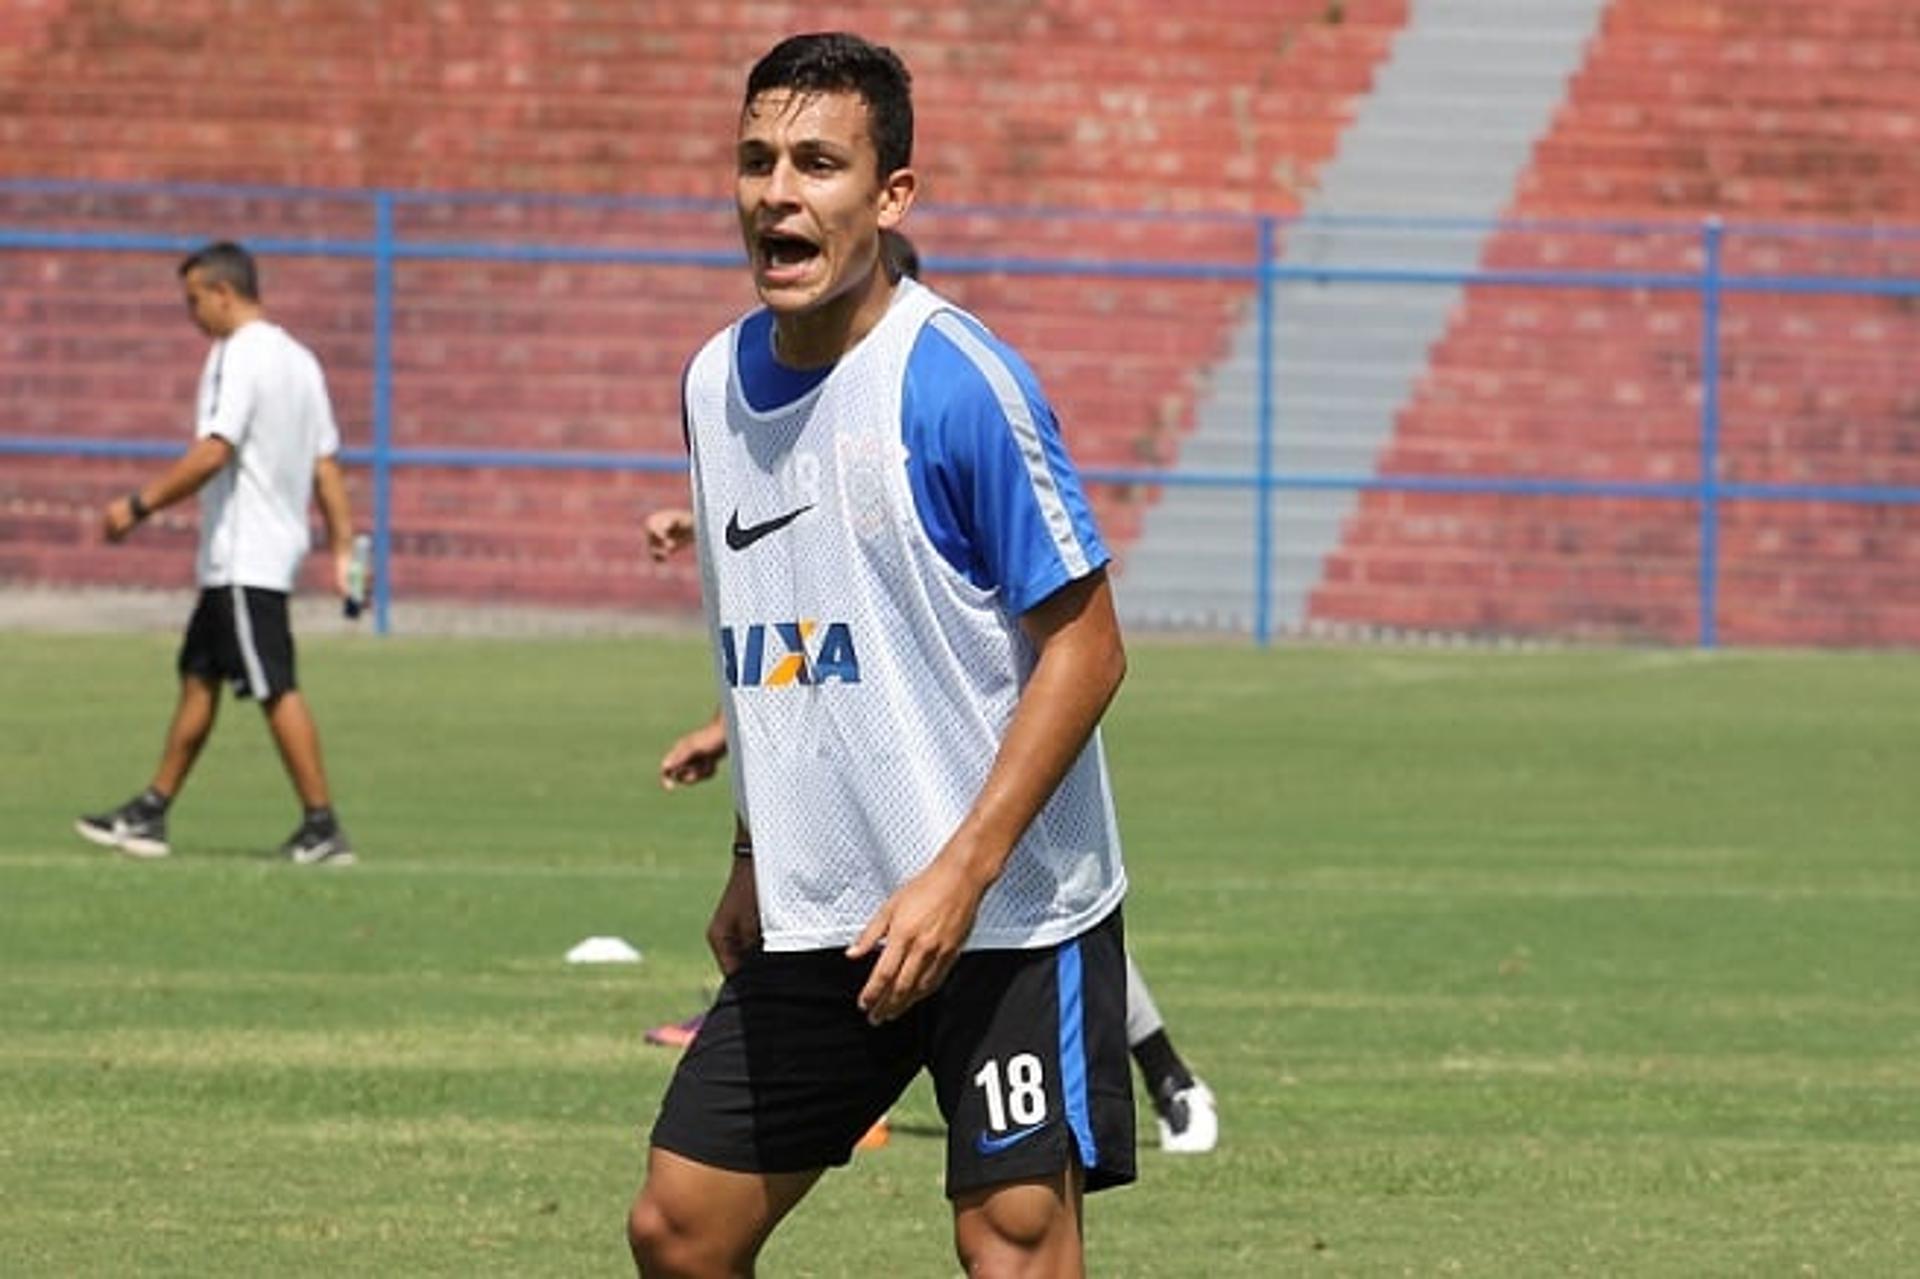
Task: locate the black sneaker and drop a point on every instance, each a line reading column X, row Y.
column 315, row 845
column 135, row 828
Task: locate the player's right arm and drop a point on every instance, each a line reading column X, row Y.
column 221, row 429
column 734, row 932
column 1079, row 664
column 999, row 499
column 181, row 480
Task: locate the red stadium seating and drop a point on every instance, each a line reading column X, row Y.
column 1760, row 111
column 1220, row 105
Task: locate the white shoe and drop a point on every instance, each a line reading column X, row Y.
column 1191, row 1124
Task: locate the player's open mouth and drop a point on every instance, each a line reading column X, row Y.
column 785, row 258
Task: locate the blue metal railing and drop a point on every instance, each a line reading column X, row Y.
column 387, row 246
column 1709, row 574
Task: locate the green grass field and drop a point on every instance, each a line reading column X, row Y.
column 1501, row 964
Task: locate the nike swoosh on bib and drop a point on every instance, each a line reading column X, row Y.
column 994, row 1145
column 740, row 537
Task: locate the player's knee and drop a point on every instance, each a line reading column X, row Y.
column 1017, row 1229
column 654, row 1240
column 1023, row 1216
column 667, row 1245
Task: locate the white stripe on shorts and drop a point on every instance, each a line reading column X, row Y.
column 243, row 632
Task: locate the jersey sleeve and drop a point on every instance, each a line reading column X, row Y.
column 235, row 389
column 995, row 490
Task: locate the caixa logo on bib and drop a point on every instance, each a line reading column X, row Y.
column 772, row 654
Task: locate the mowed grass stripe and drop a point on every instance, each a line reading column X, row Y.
column 1502, row 963
column 438, row 1049
column 1661, row 878
column 434, row 1048
column 385, row 867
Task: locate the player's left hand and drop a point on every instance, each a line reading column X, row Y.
column 918, row 932
column 694, row 757
column 668, row 531
column 117, row 520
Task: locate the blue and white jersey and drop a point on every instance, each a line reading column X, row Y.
column 869, row 536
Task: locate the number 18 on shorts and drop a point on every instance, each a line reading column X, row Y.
column 1046, row 1082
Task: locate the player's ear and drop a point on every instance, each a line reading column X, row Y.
column 897, row 190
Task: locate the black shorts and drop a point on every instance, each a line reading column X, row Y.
column 1027, row 1050
column 241, row 633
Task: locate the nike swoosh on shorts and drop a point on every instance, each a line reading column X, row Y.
column 994, row 1145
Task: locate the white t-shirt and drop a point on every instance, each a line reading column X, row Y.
column 263, row 393
column 869, row 538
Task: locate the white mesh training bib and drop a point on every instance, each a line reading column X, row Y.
column 867, row 684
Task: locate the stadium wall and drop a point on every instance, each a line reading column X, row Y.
column 1227, row 106
column 1100, row 108
column 1780, row 118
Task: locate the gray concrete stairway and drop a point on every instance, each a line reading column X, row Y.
column 1431, row 157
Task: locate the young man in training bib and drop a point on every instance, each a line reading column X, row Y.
column 915, row 641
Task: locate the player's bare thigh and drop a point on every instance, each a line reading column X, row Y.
column 690, row 1219
column 1030, row 1229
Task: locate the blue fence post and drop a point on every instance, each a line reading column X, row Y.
column 1711, row 232
column 383, row 244
column 1263, row 493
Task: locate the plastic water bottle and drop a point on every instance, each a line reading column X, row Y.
column 359, row 574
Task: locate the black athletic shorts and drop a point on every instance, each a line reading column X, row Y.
column 241, row 633
column 1027, row 1049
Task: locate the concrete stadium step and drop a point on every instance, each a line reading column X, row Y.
column 1420, row 144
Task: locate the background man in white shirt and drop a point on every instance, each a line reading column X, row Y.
column 265, row 444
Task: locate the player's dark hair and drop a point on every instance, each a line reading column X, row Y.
column 901, row 259
column 836, row 62
column 225, row 262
